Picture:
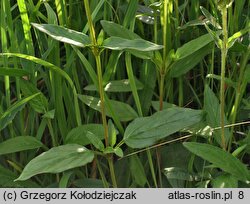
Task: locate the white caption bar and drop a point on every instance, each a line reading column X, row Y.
column 124, row 195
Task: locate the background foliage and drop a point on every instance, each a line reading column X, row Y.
column 124, row 93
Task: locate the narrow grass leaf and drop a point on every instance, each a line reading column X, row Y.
column 192, row 23
column 8, row 177
column 137, row 171
column 225, row 181
column 56, row 160
column 220, row 159
column 94, row 14
column 148, row 78
column 64, row 34
column 130, row 13
column 192, row 46
column 146, row 131
column 18, row 144
column 65, row 179
column 124, row 111
column 112, row 65
column 237, row 35
column 13, row 72
column 212, row 108
column 57, row 70
column 117, row 43
column 215, row 36
column 39, row 103
column 182, row 66
column 87, row 66
column 78, row 135
column 49, row 114
column 210, row 18
column 26, row 26
column 228, row 81
column 11, row 112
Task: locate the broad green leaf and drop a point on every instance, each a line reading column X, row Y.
column 116, row 86
column 88, row 183
column 146, row 131
column 114, row 29
column 13, row 72
column 192, row 46
column 146, row 18
column 112, row 132
column 39, row 103
column 18, row 144
column 56, row 160
column 182, row 66
column 156, row 105
column 124, row 111
column 141, row 54
column 118, row 151
column 210, row 18
column 78, row 135
column 179, row 174
column 137, row 171
column 95, row 140
column 225, row 181
column 147, row 14
column 11, row 112
column 220, row 159
column 212, row 108
column 64, row 34
column 100, row 38
column 110, row 150
column 117, row 43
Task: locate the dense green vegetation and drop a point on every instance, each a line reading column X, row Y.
column 124, row 93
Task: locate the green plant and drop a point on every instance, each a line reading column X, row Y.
column 89, row 89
